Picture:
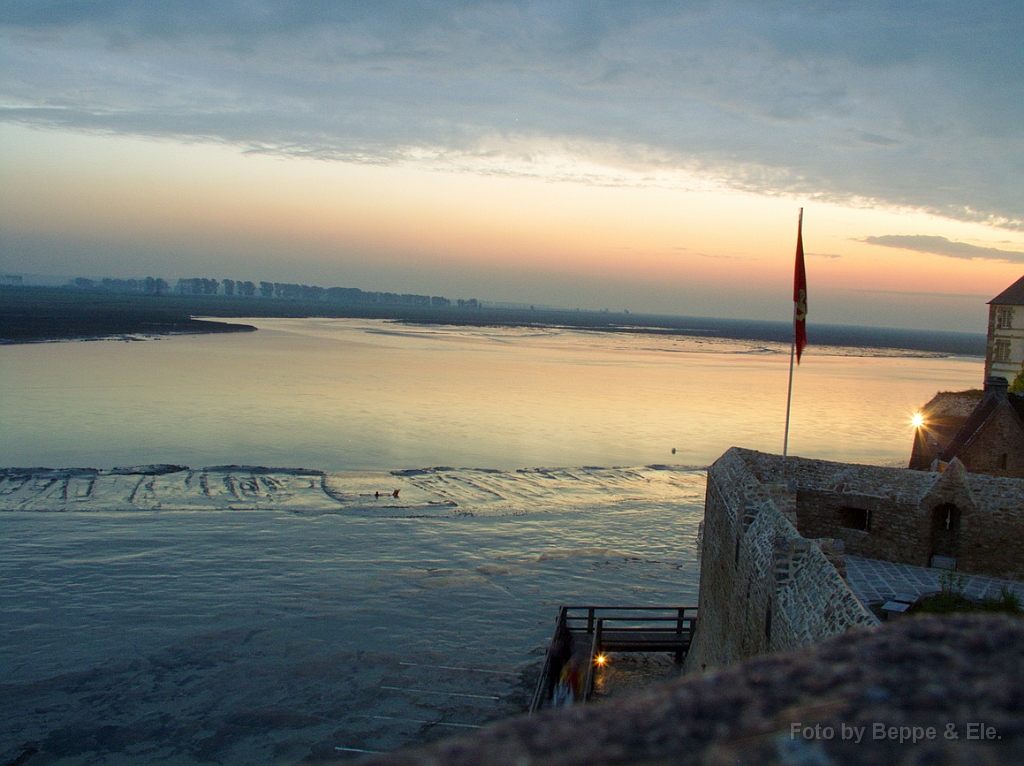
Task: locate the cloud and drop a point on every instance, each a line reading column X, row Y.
column 941, row 246
column 917, row 105
column 978, row 297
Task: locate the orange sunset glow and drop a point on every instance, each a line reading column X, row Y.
column 517, row 212
column 355, row 357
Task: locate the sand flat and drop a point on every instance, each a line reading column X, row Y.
column 423, row 492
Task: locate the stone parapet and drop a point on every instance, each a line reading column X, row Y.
column 764, row 587
column 906, row 516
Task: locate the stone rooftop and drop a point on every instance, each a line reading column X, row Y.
column 874, row 581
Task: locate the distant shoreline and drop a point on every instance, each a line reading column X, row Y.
column 47, row 315
column 32, row 314
column 933, row 342
column 43, row 332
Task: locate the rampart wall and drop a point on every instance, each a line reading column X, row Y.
column 775, row 536
column 763, row 587
column 904, row 516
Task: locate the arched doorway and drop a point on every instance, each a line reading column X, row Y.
column 945, row 535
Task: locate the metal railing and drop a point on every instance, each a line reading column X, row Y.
column 619, row 629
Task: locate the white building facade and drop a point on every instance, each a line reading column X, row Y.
column 1005, row 352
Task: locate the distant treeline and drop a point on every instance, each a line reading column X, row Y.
column 147, row 286
column 109, row 307
column 233, row 288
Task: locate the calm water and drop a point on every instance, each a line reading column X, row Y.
column 356, row 395
column 271, row 637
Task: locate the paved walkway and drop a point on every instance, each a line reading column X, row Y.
column 873, row 581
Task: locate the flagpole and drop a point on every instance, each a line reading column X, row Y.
column 789, row 395
column 792, row 352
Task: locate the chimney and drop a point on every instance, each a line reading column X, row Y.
column 995, row 386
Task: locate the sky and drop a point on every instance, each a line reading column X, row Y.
column 649, row 156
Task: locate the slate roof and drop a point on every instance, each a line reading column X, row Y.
column 952, row 404
column 945, row 416
column 979, row 418
column 1011, row 296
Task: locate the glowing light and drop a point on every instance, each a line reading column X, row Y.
column 918, row 420
column 601, row 659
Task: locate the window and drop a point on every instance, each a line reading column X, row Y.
column 1004, row 459
column 854, row 518
column 1001, row 352
column 1004, row 319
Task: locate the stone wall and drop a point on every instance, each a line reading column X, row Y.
column 992, row 537
column 999, row 448
column 774, row 538
column 893, row 513
column 870, row 526
column 763, row 587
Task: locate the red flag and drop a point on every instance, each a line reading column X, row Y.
column 800, row 292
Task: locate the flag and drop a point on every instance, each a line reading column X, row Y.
column 800, row 293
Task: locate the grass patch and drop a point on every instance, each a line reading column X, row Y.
column 950, row 601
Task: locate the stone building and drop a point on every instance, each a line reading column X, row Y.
column 982, row 429
column 776, row 532
column 1004, row 355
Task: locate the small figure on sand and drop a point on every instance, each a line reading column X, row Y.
column 395, row 493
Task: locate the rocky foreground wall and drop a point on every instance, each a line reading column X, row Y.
column 925, row 690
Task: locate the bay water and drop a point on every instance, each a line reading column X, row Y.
column 277, row 637
column 344, row 395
